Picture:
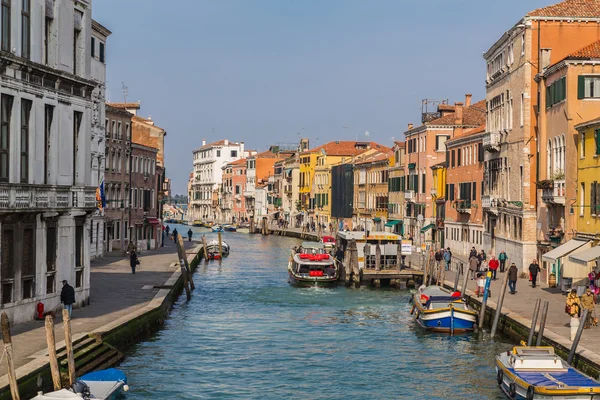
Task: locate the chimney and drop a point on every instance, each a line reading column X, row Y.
column 545, row 58
column 226, row 142
column 468, row 99
column 203, row 142
column 410, row 126
column 458, row 113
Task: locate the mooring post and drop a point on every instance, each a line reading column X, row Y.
column 183, row 257
column 69, row 346
column 456, row 278
column 577, row 337
column 465, row 280
column 378, row 257
column 51, row 341
column 205, row 248
column 499, row 305
column 486, row 292
column 536, row 311
column 220, row 246
column 439, row 273
column 540, row 334
column 8, row 352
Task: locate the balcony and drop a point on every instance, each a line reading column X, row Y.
column 491, row 141
column 409, row 195
column 463, row 206
column 17, row 197
column 249, row 193
column 490, row 203
column 555, row 194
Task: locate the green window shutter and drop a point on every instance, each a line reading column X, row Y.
column 580, row 87
column 563, row 84
column 474, row 196
column 548, row 97
column 593, row 198
column 597, row 139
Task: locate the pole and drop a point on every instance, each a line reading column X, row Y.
column 486, row 291
column 51, row 341
column 542, row 324
column 577, row 337
column 12, row 376
column 129, row 228
column 456, row 279
column 439, row 274
column 188, row 293
column 221, row 244
column 69, row 346
column 183, row 256
column 465, row 280
column 499, row 305
column 205, row 249
column 536, row 311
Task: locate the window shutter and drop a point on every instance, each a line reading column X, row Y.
column 597, row 138
column 596, row 211
column 593, row 198
column 474, row 197
column 458, row 157
column 548, row 97
column 580, row 87
column 563, row 84
column 480, row 154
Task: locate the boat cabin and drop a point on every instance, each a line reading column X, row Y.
column 389, row 245
column 312, row 259
column 536, row 359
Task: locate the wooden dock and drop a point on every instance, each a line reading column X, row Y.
column 402, row 278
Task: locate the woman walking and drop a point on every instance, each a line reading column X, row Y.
column 573, row 308
column 133, row 261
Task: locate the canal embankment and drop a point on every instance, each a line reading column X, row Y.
column 124, row 309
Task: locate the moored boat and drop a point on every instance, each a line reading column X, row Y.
column 212, row 249
column 440, row 310
column 311, row 265
column 107, row 384
column 535, row 373
column 229, row 228
column 197, row 223
column 217, row 228
column 328, row 242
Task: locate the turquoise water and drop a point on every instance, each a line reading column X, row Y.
column 248, row 334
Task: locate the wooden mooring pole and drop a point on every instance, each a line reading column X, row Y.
column 69, row 346
column 185, row 273
column 499, row 305
column 205, row 249
column 51, row 342
column 456, row 278
column 536, row 311
column 577, row 337
column 183, row 256
column 220, row 246
column 8, row 353
column 465, row 281
column 540, row 334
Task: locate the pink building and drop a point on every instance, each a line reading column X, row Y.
column 238, row 185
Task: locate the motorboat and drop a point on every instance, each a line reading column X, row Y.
column 439, row 310
column 311, row 265
column 197, row 223
column 212, row 250
column 229, row 228
column 532, row 373
column 106, row 384
column 328, row 242
column 217, row 228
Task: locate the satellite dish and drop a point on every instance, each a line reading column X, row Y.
column 420, row 217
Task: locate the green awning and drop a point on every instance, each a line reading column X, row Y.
column 412, row 165
column 427, row 227
column 376, row 219
column 392, row 223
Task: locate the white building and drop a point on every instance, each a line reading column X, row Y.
column 47, row 188
column 208, row 175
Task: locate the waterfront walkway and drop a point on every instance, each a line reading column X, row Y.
column 115, row 292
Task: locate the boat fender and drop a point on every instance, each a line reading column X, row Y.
column 500, row 376
column 530, row 392
column 125, row 388
column 512, row 390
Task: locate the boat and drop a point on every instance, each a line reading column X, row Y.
column 217, row 228
column 531, row 373
column 329, row 242
column 107, row 384
column 439, row 310
column 229, row 228
column 212, row 248
column 311, row 265
column 197, row 223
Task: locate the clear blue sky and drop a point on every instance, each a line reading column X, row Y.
column 267, row 71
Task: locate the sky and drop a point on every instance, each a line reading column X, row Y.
column 273, row 71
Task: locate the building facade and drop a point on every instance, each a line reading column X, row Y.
column 587, row 207
column 146, row 227
column 371, row 176
column 396, row 188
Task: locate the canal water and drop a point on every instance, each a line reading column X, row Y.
column 248, row 334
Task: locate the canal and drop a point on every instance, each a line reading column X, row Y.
column 248, row 334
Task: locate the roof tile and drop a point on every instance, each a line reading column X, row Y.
column 589, row 51
column 569, row 8
column 345, row 148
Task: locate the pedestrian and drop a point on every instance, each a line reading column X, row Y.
column 494, row 264
column 573, row 308
column 339, row 254
column 438, row 258
column 448, row 258
column 473, row 252
column 482, row 260
column 175, row 235
column 130, row 247
column 67, row 297
column 473, row 264
column 587, row 303
column 534, row 268
column 502, row 258
column 190, row 233
column 513, row 274
column 167, row 229
column 133, row 261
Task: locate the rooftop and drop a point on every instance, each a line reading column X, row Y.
column 569, row 8
column 241, row 161
column 474, row 115
column 587, row 52
column 595, row 121
column 346, row 148
column 135, row 106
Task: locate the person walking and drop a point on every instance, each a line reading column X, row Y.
column 438, row 258
column 190, row 233
column 473, row 252
column 534, row 269
column 502, row 258
column 573, row 308
column 448, row 258
column 130, row 247
column 513, row 274
column 482, row 260
column 494, row 264
column 175, row 235
column 133, row 261
column 167, row 229
column 67, row 297
column 587, row 303
column 473, row 265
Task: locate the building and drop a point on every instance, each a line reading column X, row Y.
column 117, row 178
column 342, row 194
column 238, row 183
column 587, row 206
column 569, row 99
column 512, row 142
column 463, row 216
column 99, row 37
column 208, row 174
column 438, row 202
column 290, row 200
column 146, row 232
column 396, row 188
column 47, row 179
column 259, row 168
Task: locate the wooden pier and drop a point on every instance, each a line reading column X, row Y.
column 403, row 278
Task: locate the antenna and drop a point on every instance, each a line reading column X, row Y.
column 125, row 91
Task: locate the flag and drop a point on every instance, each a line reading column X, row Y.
column 102, row 196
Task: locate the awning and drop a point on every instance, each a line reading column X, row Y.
column 427, row 227
column 152, row 221
column 563, row 250
column 393, row 223
column 585, row 256
column 412, row 165
column 376, row 219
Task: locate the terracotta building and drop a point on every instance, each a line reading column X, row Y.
column 146, row 228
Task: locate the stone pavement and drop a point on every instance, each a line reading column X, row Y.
column 115, row 292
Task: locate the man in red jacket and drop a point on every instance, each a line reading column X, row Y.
column 493, row 264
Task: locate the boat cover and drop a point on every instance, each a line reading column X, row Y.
column 571, row 378
column 110, row 374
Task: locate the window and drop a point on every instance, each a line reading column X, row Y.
column 523, row 44
column 25, row 28
column 5, row 114
column 48, row 115
column 28, row 263
column 102, row 52
column 458, row 156
column 78, row 244
column 113, row 129
column 50, row 258
column 119, row 132
column 440, row 142
column 594, row 200
column 588, row 87
column 582, row 144
column 93, row 49
column 474, row 195
column 522, row 117
column 597, row 141
column 6, row 25
column 452, row 163
column 77, row 117
column 218, row 153
column 233, row 153
column 127, row 132
column 25, row 113
column 47, row 32
column 556, row 92
column 582, row 199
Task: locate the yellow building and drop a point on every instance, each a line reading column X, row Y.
column 371, row 172
column 587, row 208
column 396, row 188
column 438, row 200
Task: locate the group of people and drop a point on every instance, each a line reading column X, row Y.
column 444, row 255
column 575, row 306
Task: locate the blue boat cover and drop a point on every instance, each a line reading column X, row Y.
column 105, row 375
column 571, row 378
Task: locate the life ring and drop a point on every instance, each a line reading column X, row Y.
column 512, row 390
column 530, row 392
column 500, row 376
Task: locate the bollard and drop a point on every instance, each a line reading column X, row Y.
column 465, row 280
column 205, row 249
column 536, row 311
column 499, row 305
column 486, row 290
column 456, row 278
column 574, row 325
column 540, row 334
column 577, row 335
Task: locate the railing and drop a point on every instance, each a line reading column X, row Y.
column 491, row 141
column 28, row 197
column 555, row 194
column 463, row 206
column 409, row 195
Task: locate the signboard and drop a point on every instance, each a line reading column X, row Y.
column 406, row 249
